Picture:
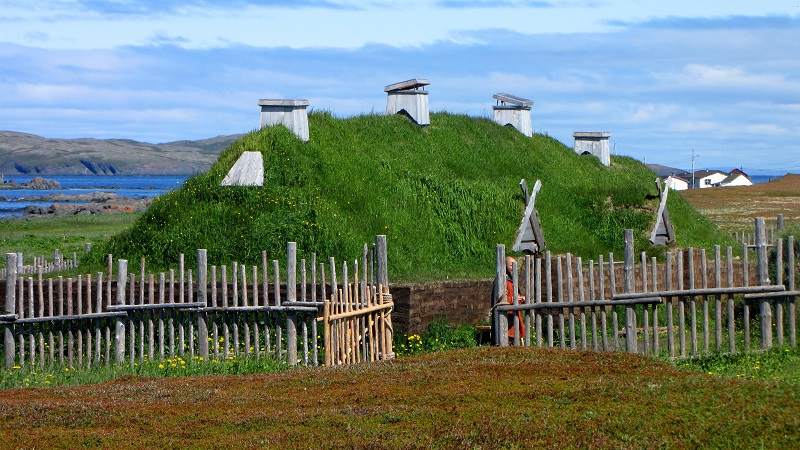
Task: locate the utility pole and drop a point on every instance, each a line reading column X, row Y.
column 692, row 168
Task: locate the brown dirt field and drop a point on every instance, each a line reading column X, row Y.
column 734, row 208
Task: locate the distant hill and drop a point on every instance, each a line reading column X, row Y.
column 665, row 171
column 28, row 154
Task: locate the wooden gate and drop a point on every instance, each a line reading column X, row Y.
column 358, row 325
column 357, row 318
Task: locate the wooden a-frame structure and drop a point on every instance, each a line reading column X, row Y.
column 529, row 236
column 663, row 233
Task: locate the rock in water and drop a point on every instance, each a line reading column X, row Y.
column 41, row 183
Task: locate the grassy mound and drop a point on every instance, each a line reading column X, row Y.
column 444, row 195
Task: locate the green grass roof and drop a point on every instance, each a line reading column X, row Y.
column 444, row 195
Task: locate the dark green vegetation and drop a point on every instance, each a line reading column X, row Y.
column 178, row 366
column 466, row 398
column 444, row 195
column 779, row 363
column 440, row 336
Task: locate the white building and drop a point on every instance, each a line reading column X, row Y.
column 736, row 178
column 678, row 183
column 708, row 178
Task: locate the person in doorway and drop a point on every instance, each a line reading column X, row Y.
column 509, row 298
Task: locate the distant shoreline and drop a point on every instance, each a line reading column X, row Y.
column 37, row 183
column 85, row 194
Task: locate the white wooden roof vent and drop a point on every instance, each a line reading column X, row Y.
column 514, row 111
column 409, row 97
column 293, row 114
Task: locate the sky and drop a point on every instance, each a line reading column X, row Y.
column 717, row 82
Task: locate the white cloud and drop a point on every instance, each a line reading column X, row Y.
column 722, row 76
column 686, row 126
column 650, row 113
column 766, row 129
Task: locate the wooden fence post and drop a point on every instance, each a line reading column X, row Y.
column 791, row 287
column 779, row 281
column 630, row 311
column 382, row 261
column 202, row 317
column 763, row 280
column 119, row 336
column 670, row 320
column 780, row 222
column 11, row 308
column 291, row 296
column 499, row 290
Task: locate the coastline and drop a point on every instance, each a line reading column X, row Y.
column 85, row 204
column 86, row 195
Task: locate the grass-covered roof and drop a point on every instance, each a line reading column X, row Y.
column 444, row 195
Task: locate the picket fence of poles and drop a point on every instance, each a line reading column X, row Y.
column 219, row 313
column 682, row 307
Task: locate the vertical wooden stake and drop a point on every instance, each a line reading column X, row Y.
column 291, row 293
column 499, row 332
column 779, row 281
column 791, row 287
column 119, row 337
column 10, row 309
column 630, row 312
column 765, row 310
column 548, row 272
column 202, row 297
column 601, row 296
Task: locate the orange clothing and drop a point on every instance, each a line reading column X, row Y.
column 510, row 300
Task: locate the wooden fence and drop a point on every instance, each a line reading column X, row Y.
column 41, row 264
column 598, row 306
column 749, row 236
column 83, row 321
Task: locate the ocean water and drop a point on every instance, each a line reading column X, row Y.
column 130, row 186
column 763, row 178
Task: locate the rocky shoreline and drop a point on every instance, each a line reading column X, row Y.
column 36, row 183
column 86, row 204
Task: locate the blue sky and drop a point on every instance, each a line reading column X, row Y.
column 665, row 78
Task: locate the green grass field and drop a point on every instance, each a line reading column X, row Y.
column 41, row 236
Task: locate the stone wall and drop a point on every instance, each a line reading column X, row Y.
column 460, row 302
